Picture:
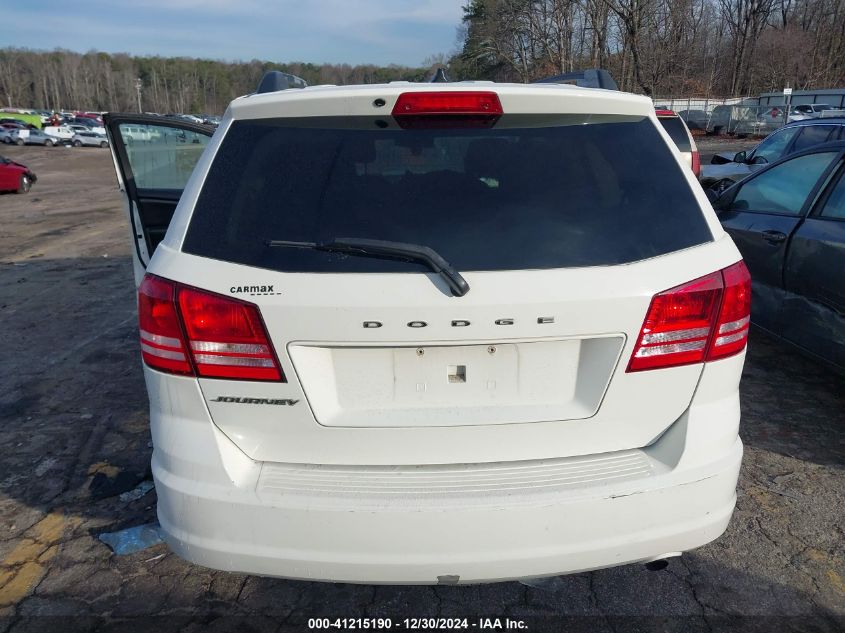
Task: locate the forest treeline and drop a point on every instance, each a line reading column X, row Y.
column 660, row 47
column 655, row 47
column 98, row 81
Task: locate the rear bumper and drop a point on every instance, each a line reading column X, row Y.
column 407, row 543
column 443, row 523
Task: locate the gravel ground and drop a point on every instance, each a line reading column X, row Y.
column 72, row 405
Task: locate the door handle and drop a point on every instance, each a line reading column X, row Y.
column 773, row 237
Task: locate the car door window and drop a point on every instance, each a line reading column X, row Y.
column 161, row 157
column 783, row 189
column 773, row 147
column 812, row 135
column 834, row 206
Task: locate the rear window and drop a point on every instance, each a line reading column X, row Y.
column 813, row 135
column 533, row 192
column 676, row 130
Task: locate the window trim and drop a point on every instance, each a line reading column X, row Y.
column 833, row 179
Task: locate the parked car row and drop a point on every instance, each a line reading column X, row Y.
column 726, row 169
column 752, row 119
column 64, row 136
column 783, row 203
column 814, row 111
column 18, row 136
column 788, row 221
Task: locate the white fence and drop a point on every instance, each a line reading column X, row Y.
column 705, row 104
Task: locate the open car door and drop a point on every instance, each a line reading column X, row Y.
column 153, row 156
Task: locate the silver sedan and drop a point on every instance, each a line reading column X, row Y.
column 89, row 139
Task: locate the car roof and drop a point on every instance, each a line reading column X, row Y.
column 822, row 121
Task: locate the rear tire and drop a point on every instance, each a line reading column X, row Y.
column 104, row 144
column 25, row 184
column 77, row 143
column 19, row 141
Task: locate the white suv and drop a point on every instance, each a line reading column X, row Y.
column 433, row 333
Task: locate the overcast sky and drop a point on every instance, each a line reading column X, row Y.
column 337, row 31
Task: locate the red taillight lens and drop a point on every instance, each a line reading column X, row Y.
column 731, row 333
column 677, row 325
column 447, row 109
column 162, row 343
column 226, row 338
column 696, row 163
column 705, row 319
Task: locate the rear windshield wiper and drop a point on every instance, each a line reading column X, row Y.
column 392, row 250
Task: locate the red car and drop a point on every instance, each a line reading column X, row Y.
column 15, row 177
column 90, row 115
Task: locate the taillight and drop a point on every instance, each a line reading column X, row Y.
column 696, row 163
column 189, row 331
column 162, row 343
column 705, row 319
column 447, row 109
column 731, row 333
column 226, row 337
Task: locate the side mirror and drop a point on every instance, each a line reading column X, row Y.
column 712, row 196
column 739, row 157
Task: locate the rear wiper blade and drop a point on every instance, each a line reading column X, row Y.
column 393, row 250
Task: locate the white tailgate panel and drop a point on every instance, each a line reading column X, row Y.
column 351, row 391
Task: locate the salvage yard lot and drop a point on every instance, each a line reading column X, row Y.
column 73, row 405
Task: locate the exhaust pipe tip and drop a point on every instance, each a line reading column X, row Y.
column 661, row 562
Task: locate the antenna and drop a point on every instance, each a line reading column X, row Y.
column 440, row 77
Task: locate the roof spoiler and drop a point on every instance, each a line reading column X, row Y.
column 593, row 78
column 274, row 80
